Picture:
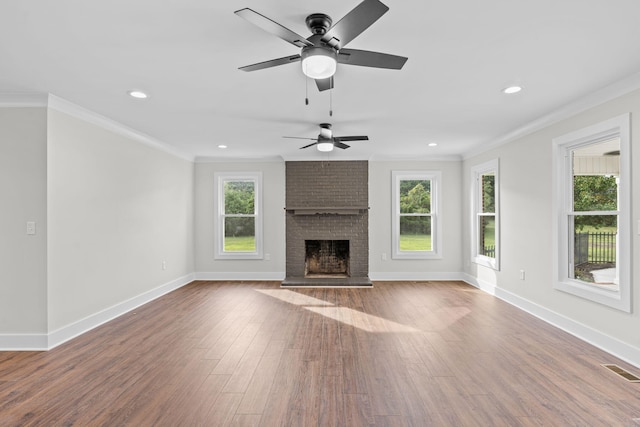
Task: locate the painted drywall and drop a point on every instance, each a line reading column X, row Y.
column 23, row 197
column 273, row 185
column 526, row 239
column 117, row 210
column 381, row 265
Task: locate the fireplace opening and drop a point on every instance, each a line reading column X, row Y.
column 326, row 258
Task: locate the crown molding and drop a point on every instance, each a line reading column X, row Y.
column 47, row 100
column 23, row 99
column 64, row 106
column 238, row 159
column 607, row 93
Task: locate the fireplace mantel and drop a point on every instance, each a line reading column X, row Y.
column 327, row 210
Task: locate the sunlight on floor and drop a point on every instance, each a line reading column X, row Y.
column 447, row 316
column 348, row 316
column 293, row 297
column 361, row 320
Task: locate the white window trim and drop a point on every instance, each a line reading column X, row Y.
column 220, row 178
column 436, row 227
column 616, row 127
column 476, row 200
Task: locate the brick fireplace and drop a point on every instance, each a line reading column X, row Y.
column 327, row 224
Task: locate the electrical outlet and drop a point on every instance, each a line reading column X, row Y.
column 384, row 256
column 521, row 274
column 164, row 265
column 31, row 228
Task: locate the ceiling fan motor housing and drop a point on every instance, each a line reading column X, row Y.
column 325, row 131
column 318, row 23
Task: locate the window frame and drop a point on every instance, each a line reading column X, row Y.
column 476, row 207
column 436, row 227
column 616, row 127
column 220, row 178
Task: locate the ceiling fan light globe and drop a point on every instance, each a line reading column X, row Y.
column 325, row 146
column 319, row 63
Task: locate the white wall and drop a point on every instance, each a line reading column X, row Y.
column 273, row 175
column 380, row 203
column 117, row 209
column 526, row 214
column 23, row 197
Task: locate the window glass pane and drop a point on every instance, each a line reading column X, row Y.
column 239, row 234
column 595, row 168
column 239, row 197
column 415, row 196
column 415, row 233
column 487, row 236
column 594, row 248
column 488, row 196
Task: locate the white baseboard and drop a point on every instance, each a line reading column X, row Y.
column 214, row 275
column 23, row 342
column 613, row 346
column 37, row 342
column 406, row 276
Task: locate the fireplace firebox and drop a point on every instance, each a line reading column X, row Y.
column 326, row 258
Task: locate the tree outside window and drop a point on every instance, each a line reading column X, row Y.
column 415, row 218
column 239, row 216
column 487, row 216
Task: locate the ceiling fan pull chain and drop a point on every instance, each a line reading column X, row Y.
column 306, row 90
column 331, row 102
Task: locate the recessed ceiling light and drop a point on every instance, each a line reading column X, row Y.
column 222, row 146
column 512, row 89
column 433, row 144
column 137, row 94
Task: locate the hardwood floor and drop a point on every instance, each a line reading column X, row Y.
column 253, row 354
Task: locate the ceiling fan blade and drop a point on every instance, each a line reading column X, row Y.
column 324, row 84
column 354, row 23
column 271, row 63
column 273, row 27
column 300, row 137
column 310, row 145
column 337, row 143
column 352, row 138
column 367, row 58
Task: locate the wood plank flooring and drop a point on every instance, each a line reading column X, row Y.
column 253, row 354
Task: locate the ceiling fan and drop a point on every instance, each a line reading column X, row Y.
column 325, row 47
column 326, row 141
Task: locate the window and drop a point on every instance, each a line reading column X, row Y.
column 593, row 224
column 486, row 217
column 416, row 226
column 239, row 220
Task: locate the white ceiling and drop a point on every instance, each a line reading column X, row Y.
column 186, row 54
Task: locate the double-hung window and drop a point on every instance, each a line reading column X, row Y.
column 239, row 217
column 486, row 217
column 592, row 220
column 416, row 223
